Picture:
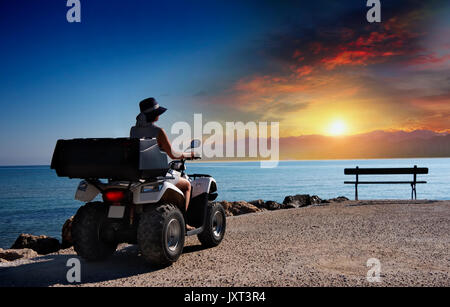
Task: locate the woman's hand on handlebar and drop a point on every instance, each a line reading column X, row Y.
column 192, row 156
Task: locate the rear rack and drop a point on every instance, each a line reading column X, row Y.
column 199, row 175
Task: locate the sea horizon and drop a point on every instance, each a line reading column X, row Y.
column 256, row 161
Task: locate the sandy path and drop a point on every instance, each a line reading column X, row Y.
column 315, row 246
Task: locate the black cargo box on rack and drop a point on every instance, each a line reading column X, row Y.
column 109, row 158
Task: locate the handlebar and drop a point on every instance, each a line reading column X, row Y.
column 178, row 165
column 194, row 158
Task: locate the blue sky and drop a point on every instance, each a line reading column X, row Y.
column 61, row 80
column 68, row 80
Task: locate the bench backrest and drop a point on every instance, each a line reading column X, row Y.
column 386, row 171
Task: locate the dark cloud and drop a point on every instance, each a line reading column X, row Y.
column 347, row 39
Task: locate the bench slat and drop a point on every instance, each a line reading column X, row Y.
column 382, row 182
column 386, row 171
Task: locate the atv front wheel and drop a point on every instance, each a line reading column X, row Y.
column 86, row 232
column 161, row 234
column 215, row 226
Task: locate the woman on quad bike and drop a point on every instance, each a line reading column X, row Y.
column 145, row 128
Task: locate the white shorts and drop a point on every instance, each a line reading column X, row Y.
column 175, row 174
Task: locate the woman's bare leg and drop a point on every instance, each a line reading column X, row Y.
column 185, row 186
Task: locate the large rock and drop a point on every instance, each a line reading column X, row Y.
column 259, row 203
column 272, row 205
column 14, row 254
column 66, row 234
column 238, row 207
column 41, row 244
column 266, row 205
column 316, row 200
column 297, row 201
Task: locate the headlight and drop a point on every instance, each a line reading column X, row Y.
column 151, row 188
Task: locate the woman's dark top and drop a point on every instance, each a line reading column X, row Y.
column 144, row 129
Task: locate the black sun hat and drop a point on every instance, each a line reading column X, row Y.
column 150, row 107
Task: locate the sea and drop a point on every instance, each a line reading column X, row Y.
column 33, row 199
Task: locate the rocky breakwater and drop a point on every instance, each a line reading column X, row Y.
column 29, row 246
column 235, row 208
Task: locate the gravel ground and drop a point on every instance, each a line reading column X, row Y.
column 314, row 246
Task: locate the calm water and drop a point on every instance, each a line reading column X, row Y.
column 34, row 200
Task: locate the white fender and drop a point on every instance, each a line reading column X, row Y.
column 153, row 192
column 201, row 185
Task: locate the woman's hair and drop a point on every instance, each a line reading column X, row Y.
column 150, row 117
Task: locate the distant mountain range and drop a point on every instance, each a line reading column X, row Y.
column 376, row 144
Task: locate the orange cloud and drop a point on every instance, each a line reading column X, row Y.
column 303, row 70
column 319, row 76
column 431, row 58
column 349, row 58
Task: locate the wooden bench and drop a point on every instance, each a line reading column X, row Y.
column 386, row 171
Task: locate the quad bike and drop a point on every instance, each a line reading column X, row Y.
column 141, row 205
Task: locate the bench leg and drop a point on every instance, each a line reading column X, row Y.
column 413, row 191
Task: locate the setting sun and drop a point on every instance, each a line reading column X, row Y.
column 337, row 127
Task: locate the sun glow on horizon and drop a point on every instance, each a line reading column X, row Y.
column 337, row 128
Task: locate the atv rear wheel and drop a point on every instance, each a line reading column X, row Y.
column 86, row 232
column 215, row 226
column 161, row 234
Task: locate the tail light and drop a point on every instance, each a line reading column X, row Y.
column 114, row 196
